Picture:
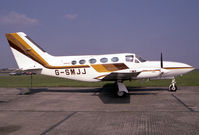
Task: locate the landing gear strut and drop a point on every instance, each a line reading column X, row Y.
column 173, row 86
column 121, row 89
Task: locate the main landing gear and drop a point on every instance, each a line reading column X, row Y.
column 121, row 89
column 173, row 86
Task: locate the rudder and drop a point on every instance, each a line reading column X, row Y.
column 27, row 53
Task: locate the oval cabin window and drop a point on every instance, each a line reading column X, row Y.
column 115, row 59
column 74, row 62
column 103, row 60
column 82, row 62
column 92, row 61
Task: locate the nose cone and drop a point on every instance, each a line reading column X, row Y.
column 186, row 67
column 177, row 68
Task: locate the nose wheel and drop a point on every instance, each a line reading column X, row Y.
column 173, row 86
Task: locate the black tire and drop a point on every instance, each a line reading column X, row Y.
column 173, row 88
column 120, row 93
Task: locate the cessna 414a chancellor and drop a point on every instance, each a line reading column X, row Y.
column 109, row 67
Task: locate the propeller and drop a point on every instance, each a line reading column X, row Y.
column 163, row 71
column 161, row 61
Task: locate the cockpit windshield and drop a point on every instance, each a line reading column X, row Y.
column 140, row 58
column 134, row 58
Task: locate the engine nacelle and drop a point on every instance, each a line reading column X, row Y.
column 149, row 74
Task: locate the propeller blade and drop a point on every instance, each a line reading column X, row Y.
column 161, row 61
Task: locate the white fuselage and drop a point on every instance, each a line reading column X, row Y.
column 146, row 69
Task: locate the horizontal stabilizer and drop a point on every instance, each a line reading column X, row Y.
column 33, row 70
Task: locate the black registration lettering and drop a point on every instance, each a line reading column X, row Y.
column 67, row 72
column 84, row 72
column 78, row 73
column 75, row 71
column 56, row 72
column 72, row 71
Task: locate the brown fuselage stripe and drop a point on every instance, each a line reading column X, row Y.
column 169, row 68
column 20, row 45
column 28, row 51
column 14, row 43
column 20, row 50
column 121, row 66
column 16, row 47
column 109, row 67
column 179, row 68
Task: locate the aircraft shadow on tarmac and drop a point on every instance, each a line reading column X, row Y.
column 106, row 94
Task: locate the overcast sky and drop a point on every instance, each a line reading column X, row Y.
column 78, row 27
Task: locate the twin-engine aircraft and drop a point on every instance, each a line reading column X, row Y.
column 92, row 68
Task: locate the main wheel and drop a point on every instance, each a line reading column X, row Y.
column 173, row 88
column 120, row 93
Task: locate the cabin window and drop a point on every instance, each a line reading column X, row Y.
column 103, row 60
column 129, row 58
column 92, row 61
column 114, row 59
column 82, row 62
column 74, row 62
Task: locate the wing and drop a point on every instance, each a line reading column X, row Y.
column 120, row 76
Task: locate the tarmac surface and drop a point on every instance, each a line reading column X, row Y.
column 96, row 111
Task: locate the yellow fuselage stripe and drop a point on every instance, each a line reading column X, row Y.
column 30, row 52
column 20, row 45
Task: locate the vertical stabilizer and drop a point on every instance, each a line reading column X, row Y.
column 27, row 53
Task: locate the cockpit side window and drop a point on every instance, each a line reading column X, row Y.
column 130, row 58
column 136, row 61
column 140, row 58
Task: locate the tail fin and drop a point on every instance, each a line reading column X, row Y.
column 27, row 53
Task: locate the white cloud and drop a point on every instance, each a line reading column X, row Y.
column 17, row 18
column 70, row 16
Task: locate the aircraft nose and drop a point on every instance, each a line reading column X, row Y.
column 176, row 68
column 186, row 68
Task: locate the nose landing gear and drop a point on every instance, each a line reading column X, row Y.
column 173, row 86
